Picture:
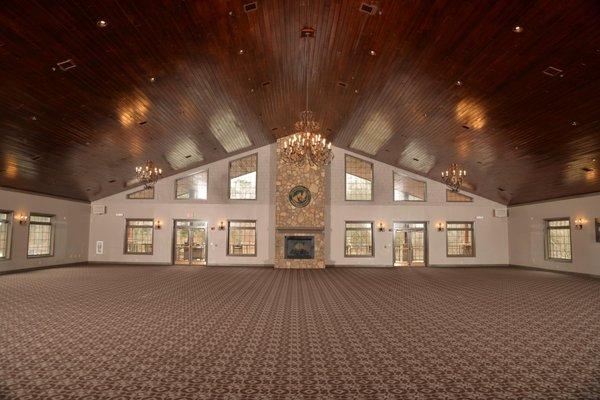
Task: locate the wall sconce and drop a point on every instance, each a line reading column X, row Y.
column 22, row 219
column 158, row 224
column 579, row 224
column 221, row 226
column 440, row 226
column 381, row 226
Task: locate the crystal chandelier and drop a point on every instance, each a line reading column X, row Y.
column 148, row 174
column 306, row 144
column 453, row 178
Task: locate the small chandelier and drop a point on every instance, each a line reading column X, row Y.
column 306, row 144
column 148, row 174
column 453, row 178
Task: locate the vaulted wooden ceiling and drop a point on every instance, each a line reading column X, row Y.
column 416, row 84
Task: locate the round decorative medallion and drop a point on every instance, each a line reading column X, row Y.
column 299, row 196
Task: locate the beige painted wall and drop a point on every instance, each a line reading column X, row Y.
column 526, row 233
column 72, row 224
column 491, row 234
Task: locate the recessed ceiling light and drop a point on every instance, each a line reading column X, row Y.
column 372, row 52
column 241, row 51
column 33, row 118
column 459, row 83
column 101, row 23
column 574, row 123
column 517, row 29
column 153, row 79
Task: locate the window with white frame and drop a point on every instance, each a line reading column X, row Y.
column 5, row 234
column 139, row 236
column 359, row 179
column 192, row 187
column 558, row 239
column 460, row 240
column 409, row 189
column 359, row 239
column 40, row 242
column 242, row 178
column 241, row 240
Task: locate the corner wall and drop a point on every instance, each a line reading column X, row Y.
column 71, row 229
column 526, row 234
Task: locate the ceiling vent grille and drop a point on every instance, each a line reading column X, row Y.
column 551, row 71
column 342, row 84
column 250, row 7
column 368, row 9
column 66, row 65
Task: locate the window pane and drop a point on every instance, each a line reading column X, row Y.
column 359, row 179
column 242, row 238
column 409, row 189
column 455, row 197
column 359, row 239
column 5, row 231
column 142, row 194
column 459, row 237
column 242, row 177
column 139, row 236
column 40, row 236
column 558, row 240
column 193, row 186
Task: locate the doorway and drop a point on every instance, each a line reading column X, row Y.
column 410, row 244
column 190, row 242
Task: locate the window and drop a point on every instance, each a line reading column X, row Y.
column 139, row 236
column 558, row 239
column 460, row 239
column 242, row 238
column 242, row 178
column 409, row 189
column 359, row 179
column 192, row 187
column 455, row 197
column 359, row 239
column 143, row 194
column 5, row 234
column 41, row 236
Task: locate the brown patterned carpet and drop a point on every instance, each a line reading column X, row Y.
column 257, row 333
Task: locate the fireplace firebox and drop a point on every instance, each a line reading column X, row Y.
column 299, row 247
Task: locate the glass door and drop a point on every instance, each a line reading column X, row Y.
column 410, row 244
column 190, row 242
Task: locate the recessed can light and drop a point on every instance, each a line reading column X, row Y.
column 372, row 52
column 101, row 23
column 153, row 79
column 459, row 83
column 574, row 123
column 241, row 51
column 517, row 29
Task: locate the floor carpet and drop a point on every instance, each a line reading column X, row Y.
column 152, row 332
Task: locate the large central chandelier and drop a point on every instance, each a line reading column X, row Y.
column 148, row 174
column 453, row 177
column 306, row 144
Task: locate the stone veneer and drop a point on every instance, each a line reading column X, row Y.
column 292, row 221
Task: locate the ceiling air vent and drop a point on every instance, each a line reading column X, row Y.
column 586, row 169
column 368, row 9
column 66, row 65
column 342, row 84
column 266, row 83
column 551, row 71
column 250, row 7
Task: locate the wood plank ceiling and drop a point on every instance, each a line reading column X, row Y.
column 416, row 84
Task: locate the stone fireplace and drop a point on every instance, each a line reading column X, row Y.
column 300, row 215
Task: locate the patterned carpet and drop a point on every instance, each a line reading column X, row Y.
column 257, row 333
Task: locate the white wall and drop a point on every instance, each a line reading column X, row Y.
column 71, row 227
column 110, row 228
column 526, row 233
column 491, row 233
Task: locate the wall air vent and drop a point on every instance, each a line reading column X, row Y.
column 551, row 71
column 98, row 209
column 66, row 65
column 367, row 8
column 500, row 212
column 250, row 7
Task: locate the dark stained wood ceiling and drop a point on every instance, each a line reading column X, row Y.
column 221, row 72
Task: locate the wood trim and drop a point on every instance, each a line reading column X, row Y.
column 31, row 269
column 583, row 274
